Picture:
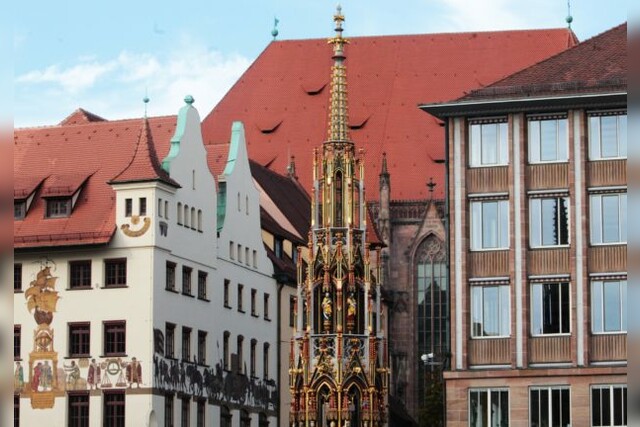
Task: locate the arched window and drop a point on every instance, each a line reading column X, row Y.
column 433, row 297
column 338, row 200
column 179, row 213
column 199, row 219
column 186, row 215
column 225, row 417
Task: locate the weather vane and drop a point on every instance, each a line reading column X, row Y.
column 274, row 32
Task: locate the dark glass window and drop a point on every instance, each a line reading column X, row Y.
column 265, row 361
column 115, row 335
column 17, row 341
column 128, row 207
column 488, row 408
column 115, row 272
column 168, row 410
column 78, row 409
column 202, row 285
column 80, row 274
column 17, row 277
column 550, row 407
column 609, row 405
column 550, row 308
column 201, row 412
column 171, row 276
column 549, row 221
column 265, row 309
column 240, row 292
column 252, row 357
column 169, row 339
column 186, row 280
column 58, row 208
column 245, row 418
column 202, row 347
column 225, row 417
column 79, row 339
column 225, row 350
column 292, row 310
column 185, row 411
column 239, row 352
column 143, row 206
column 19, row 209
column 113, row 408
column 16, row 410
column 226, row 293
column 253, row 302
column 186, row 343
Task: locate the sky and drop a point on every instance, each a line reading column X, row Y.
column 106, row 56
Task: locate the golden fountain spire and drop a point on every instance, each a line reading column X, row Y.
column 338, row 115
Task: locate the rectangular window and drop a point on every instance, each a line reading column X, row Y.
column 17, row 277
column 231, row 248
column 488, row 143
column 239, row 253
column 142, row 206
column 19, row 209
column 79, row 339
column 608, row 306
column 550, row 308
column 171, row 276
column 185, row 411
column 115, row 338
column 225, row 350
column 226, row 293
column 549, row 221
column 166, row 209
column 202, row 347
column 186, row 344
column 265, row 308
column 114, row 408
column 168, row 410
column 255, row 259
column 609, row 405
column 115, row 273
column 490, row 225
column 186, row 280
column 201, row 412
column 548, row 140
column 59, row 207
column 488, row 407
column 253, row 302
column 17, row 341
column 80, row 274
column 277, row 247
column 292, row 311
column 170, row 340
column 16, row 410
column 550, row 407
column 490, row 311
column 160, row 208
column 202, row 285
column 265, row 360
column 240, row 292
column 128, row 207
column 608, row 218
column 78, row 409
column 240, row 353
column 252, row 358
column 608, row 136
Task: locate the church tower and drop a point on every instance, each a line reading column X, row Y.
column 338, row 367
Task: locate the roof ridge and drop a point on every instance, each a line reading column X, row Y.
column 96, row 123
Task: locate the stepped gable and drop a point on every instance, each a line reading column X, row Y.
column 284, row 95
column 79, row 158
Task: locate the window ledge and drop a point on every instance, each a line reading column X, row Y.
column 173, row 291
column 489, row 250
column 499, row 337
column 113, row 355
column 227, row 306
column 268, row 319
column 254, row 315
column 205, row 299
column 18, row 291
column 78, row 356
column 114, row 286
column 188, row 295
column 79, row 288
column 241, row 311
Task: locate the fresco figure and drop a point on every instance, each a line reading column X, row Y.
column 18, row 378
column 134, row 372
column 93, row 376
column 46, row 380
column 37, row 373
column 73, row 375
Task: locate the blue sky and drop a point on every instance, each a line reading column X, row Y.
column 103, row 56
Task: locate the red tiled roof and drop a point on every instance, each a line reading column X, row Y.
column 283, row 98
column 66, row 156
column 144, row 165
column 80, row 117
column 595, row 65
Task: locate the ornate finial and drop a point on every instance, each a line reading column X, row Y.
column 569, row 18
column 338, row 118
column 189, row 99
column 146, row 102
column 274, row 32
column 431, row 186
column 291, row 167
column 384, row 170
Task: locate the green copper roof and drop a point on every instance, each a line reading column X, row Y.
column 179, row 133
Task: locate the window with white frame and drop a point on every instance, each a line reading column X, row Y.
column 550, row 406
column 488, row 407
column 490, row 315
column 548, row 140
column 490, row 224
column 609, row 405
column 608, row 306
column 550, row 308
column 608, row 135
column 549, row 221
column 488, row 144
column 608, row 218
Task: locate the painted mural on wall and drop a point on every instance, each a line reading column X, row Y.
column 211, row 382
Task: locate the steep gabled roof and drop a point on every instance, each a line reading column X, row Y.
column 284, row 95
column 80, row 117
column 144, row 165
column 77, row 158
column 598, row 64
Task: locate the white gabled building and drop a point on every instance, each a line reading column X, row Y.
column 122, row 274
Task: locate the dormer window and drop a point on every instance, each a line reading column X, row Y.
column 19, row 209
column 58, row 207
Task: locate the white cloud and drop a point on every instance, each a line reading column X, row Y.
column 114, row 88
